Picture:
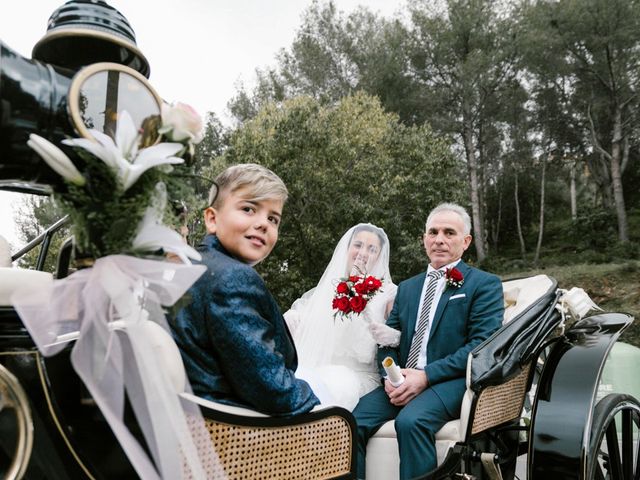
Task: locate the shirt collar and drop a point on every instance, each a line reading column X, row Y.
column 451, row 265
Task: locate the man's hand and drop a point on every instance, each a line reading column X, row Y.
column 415, row 382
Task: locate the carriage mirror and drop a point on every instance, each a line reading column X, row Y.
column 100, row 91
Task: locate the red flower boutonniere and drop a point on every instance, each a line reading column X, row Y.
column 353, row 293
column 453, row 277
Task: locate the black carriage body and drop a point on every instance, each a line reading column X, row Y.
column 72, row 440
column 563, row 428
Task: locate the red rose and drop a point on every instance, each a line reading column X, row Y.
column 361, row 288
column 342, row 304
column 358, row 303
column 342, row 287
column 454, row 277
column 354, row 278
column 372, row 283
column 454, row 274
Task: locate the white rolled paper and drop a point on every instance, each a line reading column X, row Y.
column 393, row 372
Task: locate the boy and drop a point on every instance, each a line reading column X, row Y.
column 234, row 342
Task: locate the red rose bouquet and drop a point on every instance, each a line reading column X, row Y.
column 454, row 277
column 353, row 294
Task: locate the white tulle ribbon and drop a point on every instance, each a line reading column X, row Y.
column 108, row 305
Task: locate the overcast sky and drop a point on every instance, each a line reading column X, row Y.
column 197, row 49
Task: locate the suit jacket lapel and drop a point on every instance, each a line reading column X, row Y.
column 414, row 304
column 444, row 299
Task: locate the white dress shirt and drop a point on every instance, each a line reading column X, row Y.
column 442, row 283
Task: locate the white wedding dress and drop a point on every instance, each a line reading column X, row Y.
column 336, row 356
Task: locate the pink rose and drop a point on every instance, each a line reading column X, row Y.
column 180, row 123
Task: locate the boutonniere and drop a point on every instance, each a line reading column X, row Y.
column 453, row 277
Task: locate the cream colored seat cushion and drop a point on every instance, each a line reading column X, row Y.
column 12, row 278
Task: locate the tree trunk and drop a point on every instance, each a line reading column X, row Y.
column 523, row 249
column 616, row 177
column 495, row 230
column 574, row 206
column 478, row 230
column 541, row 230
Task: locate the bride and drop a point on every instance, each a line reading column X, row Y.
column 337, row 356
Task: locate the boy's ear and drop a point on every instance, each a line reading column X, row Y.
column 210, row 219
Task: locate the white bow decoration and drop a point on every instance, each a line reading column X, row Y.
column 118, row 295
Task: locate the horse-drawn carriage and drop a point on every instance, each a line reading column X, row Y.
column 533, row 396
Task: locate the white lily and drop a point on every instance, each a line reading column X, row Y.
column 56, row 159
column 123, row 155
column 153, row 235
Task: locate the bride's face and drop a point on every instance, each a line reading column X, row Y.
column 364, row 250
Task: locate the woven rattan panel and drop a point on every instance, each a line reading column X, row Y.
column 500, row 403
column 320, row 449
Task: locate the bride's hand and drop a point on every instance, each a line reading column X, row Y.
column 383, row 335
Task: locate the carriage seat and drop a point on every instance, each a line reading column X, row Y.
column 383, row 459
column 12, row 278
column 254, row 446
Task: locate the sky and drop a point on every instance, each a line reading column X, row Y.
column 198, row 50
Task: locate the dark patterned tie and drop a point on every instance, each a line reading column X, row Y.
column 423, row 321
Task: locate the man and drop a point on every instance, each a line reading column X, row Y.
column 441, row 315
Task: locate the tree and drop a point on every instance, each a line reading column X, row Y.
column 343, row 164
column 334, row 55
column 34, row 216
column 462, row 55
column 596, row 45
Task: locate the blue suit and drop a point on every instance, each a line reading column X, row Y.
column 464, row 318
column 234, row 341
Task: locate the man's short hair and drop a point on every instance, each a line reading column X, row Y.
column 261, row 183
column 455, row 208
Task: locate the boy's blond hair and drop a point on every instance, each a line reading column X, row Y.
column 262, row 184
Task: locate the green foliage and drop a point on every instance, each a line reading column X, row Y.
column 344, row 164
column 104, row 218
column 593, row 230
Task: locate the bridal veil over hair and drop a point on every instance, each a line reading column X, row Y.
column 322, row 339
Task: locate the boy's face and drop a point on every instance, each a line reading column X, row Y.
column 246, row 228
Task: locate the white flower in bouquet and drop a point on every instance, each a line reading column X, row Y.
column 180, row 123
column 123, row 155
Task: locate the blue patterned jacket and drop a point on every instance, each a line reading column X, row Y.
column 234, row 341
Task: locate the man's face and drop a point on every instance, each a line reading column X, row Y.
column 246, row 228
column 444, row 240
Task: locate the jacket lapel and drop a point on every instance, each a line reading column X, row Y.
column 444, row 299
column 413, row 304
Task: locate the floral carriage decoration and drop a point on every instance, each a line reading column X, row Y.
column 116, row 195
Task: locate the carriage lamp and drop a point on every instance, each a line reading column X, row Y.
column 85, row 71
column 82, row 32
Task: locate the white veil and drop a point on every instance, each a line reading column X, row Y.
column 317, row 335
